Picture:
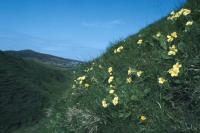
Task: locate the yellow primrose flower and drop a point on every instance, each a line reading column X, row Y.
column 100, row 66
column 119, row 49
column 158, row 34
column 115, row 100
column 189, row 23
column 87, row 85
column 142, row 118
column 172, row 50
column 73, row 86
column 177, row 66
column 174, row 71
column 111, row 86
column 186, row 12
column 129, row 80
column 169, row 38
column 176, row 15
column 174, row 34
column 139, row 41
column 111, row 91
column 104, row 103
column 91, row 69
column 130, row 71
column 80, row 82
column 110, row 69
column 115, row 51
column 139, row 73
column 161, row 80
column 110, row 79
column 81, row 78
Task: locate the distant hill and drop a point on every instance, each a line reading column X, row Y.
column 45, row 58
column 26, row 88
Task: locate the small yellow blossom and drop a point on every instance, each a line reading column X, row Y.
column 161, row 80
column 174, row 71
column 142, row 118
column 104, row 103
column 73, row 86
column 110, row 69
column 111, row 91
column 139, row 73
column 111, row 86
column 129, row 80
column 81, row 78
column 110, row 79
column 80, row 82
column 158, row 34
column 91, row 68
column 177, row 66
column 130, row 71
column 175, row 15
column 169, row 38
column 140, row 41
column 174, row 34
column 189, row 23
column 115, row 100
column 100, row 66
column 87, row 85
column 119, row 49
column 172, row 50
column 186, row 12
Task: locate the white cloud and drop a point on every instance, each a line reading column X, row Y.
column 103, row 24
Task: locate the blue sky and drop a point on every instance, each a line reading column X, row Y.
column 77, row 29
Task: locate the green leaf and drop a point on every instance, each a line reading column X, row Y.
column 134, row 98
column 165, row 56
column 163, row 43
column 181, row 46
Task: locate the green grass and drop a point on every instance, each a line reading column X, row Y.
column 169, row 108
column 26, row 89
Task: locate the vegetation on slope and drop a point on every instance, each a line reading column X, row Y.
column 147, row 83
column 26, row 88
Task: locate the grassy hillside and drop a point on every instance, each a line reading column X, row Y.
column 26, row 88
column 147, row 83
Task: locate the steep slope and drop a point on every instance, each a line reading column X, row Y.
column 26, row 88
column 45, row 58
column 147, row 83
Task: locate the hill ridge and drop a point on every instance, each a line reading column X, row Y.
column 56, row 61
